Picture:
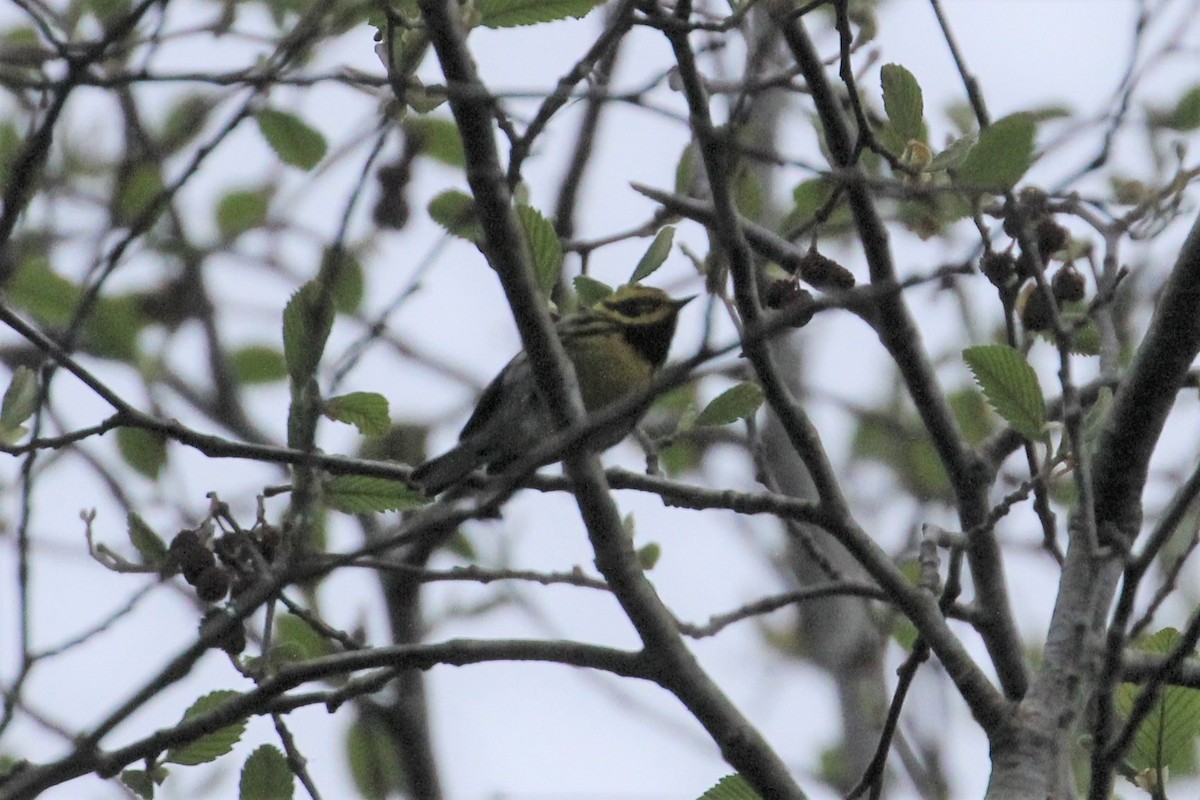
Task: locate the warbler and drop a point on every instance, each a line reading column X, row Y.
column 615, row 347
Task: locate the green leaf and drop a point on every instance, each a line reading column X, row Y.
column 291, row 138
column 685, row 171
column 350, row 286
column 439, row 139
column 545, row 249
column 143, row 450
column 455, row 211
column 266, row 776
column 185, row 121
column 298, row 641
column 241, row 211
column 138, row 781
column 590, row 291
column 737, row 402
column 903, row 102
column 20, row 399
column 649, row 554
column 953, row 155
column 375, row 764
column 361, row 494
column 731, row 787
column 1002, row 155
column 210, row 746
column 1010, row 385
column 148, row 544
column 1186, row 114
column 137, row 193
column 306, row 325
column 510, row 13
column 258, row 364
column 655, row 254
column 367, row 411
column 1171, row 727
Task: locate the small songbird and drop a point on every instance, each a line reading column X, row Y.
column 615, row 347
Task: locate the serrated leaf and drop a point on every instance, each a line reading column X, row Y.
column 240, row 211
column 143, row 538
column 258, row 364
column 590, row 291
column 138, row 781
column 20, row 399
column 213, row 745
column 291, row 138
column 375, row 765
column 367, row 411
column 439, row 139
column 545, row 249
column 738, row 402
column 731, row 787
column 266, row 776
column 903, row 102
column 143, row 450
column 655, row 254
column 455, row 211
column 306, row 325
column 510, row 13
column 1171, row 727
column 350, row 286
column 1001, row 157
column 361, row 494
column 1010, row 386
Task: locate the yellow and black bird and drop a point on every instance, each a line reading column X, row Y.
column 615, row 347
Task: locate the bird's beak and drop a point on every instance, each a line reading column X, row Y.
column 683, row 301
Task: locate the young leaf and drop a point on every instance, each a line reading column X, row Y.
column 300, row 639
column 212, row 745
column 306, row 325
column 655, row 254
column 361, row 494
column 731, row 787
column 439, row 139
column 291, row 138
column 1011, row 387
column 1186, row 114
column 265, row 776
column 510, row 13
column 241, row 211
column 149, row 546
column 455, row 211
column 143, row 450
column 367, row 411
column 375, row 765
column 1173, row 723
column 735, row 403
column 954, row 153
column 903, row 102
column 544, row 247
column 258, row 364
column 1001, row 156
column 138, row 781
column 590, row 291
column 20, row 399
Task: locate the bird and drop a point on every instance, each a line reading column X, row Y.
column 616, row 346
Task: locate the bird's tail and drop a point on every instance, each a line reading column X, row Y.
column 438, row 474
